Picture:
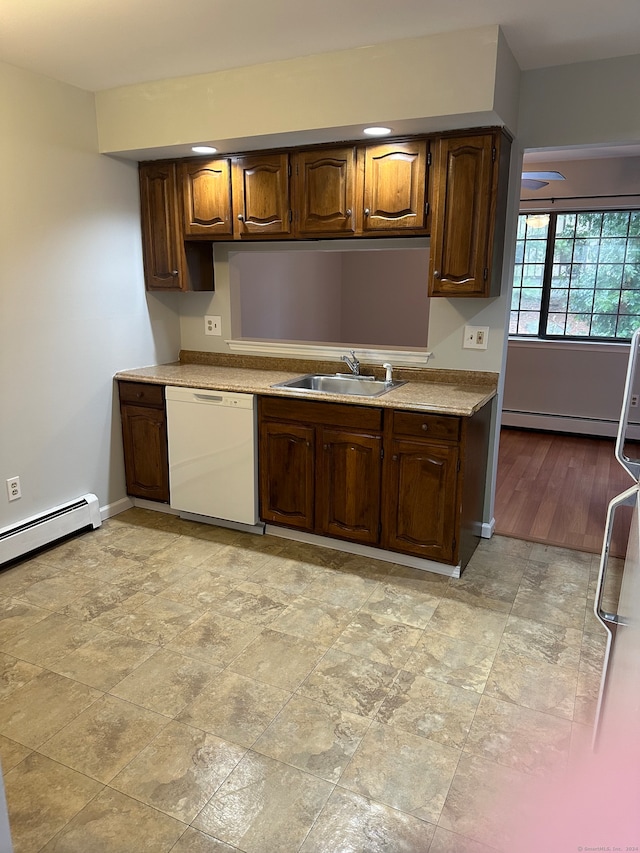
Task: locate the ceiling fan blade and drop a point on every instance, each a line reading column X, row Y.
column 544, row 176
column 529, row 184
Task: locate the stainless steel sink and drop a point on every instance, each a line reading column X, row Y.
column 339, row 383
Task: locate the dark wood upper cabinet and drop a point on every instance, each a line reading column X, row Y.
column 325, row 187
column 394, row 190
column 261, row 196
column 468, row 215
column 169, row 263
column 206, row 198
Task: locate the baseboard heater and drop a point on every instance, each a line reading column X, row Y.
column 39, row 530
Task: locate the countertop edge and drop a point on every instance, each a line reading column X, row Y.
column 415, row 395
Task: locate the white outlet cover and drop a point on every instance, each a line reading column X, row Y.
column 212, row 325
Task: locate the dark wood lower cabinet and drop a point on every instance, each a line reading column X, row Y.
column 144, row 435
column 404, row 481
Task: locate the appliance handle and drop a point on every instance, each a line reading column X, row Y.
column 632, row 466
column 627, row 498
column 209, row 398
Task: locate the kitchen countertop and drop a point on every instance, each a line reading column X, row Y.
column 449, row 392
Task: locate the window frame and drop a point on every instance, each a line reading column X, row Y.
column 547, row 278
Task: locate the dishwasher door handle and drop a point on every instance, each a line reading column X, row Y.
column 209, row 398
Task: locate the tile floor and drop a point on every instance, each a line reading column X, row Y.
column 170, row 686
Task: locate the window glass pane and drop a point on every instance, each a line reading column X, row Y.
column 580, row 301
column 522, row 226
column 627, row 324
column 513, row 323
column 585, row 275
column 633, row 250
column 609, row 275
column 586, row 250
column 588, row 224
column 615, row 224
column 517, row 275
column 630, row 302
column 519, row 251
column 604, row 325
column 528, row 323
column 558, row 300
column 612, row 250
column 606, row 301
column 560, row 276
column 634, row 223
column 578, row 325
column 631, row 276
column 532, row 275
column 563, row 252
column 534, row 251
column 556, row 323
column 531, row 299
column 565, row 225
column 515, row 298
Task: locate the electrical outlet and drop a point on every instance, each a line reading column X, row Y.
column 475, row 337
column 212, row 325
column 13, row 488
column 634, row 399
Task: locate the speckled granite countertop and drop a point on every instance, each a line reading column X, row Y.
column 449, row 392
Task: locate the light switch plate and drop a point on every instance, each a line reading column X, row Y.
column 475, row 337
column 212, row 325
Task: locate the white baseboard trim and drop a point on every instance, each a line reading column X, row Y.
column 115, row 508
column 488, row 529
column 365, row 551
column 560, row 423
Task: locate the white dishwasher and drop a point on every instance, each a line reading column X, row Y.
column 213, row 454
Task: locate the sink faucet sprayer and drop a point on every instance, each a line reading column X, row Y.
column 388, row 376
column 353, row 363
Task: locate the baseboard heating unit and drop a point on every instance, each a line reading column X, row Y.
column 39, row 530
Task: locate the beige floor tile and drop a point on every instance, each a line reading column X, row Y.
column 576, row 562
column 429, row 708
column 215, row 639
column 379, row 639
column 313, row 736
column 352, row 683
column 278, row 659
column 313, row 620
column 488, row 803
column 104, row 660
column 22, row 575
column 402, row 605
column 101, row 740
column 516, row 548
column 15, row 673
column 468, row 622
column 350, row 822
column 194, row 841
column 490, row 584
column 42, row 796
column 50, row 639
column 57, row 591
column 235, row 562
column 554, row 644
column 188, row 551
column 235, row 708
column 339, row 588
column 448, row 842
column 166, row 682
column 107, row 600
column 402, row 770
column 566, row 606
column 179, row 771
column 454, row 661
column 535, row 684
column 253, row 602
column 286, row 574
column 115, row 823
column 417, row 580
column 517, row 737
column 152, row 575
column 157, row 621
column 35, row 712
column 17, row 616
column 264, row 806
column 200, row 586
column 11, row 753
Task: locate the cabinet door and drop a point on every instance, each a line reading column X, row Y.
column 286, row 463
column 349, row 488
column 261, row 196
column 164, row 261
column 421, row 503
column 206, row 197
column 395, row 187
column 464, row 199
column 325, row 192
column 144, row 432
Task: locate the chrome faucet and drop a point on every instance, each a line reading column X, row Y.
column 353, row 363
column 388, row 374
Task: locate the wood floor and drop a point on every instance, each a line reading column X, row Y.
column 555, row 488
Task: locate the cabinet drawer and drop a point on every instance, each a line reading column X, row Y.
column 326, row 414
column 416, row 424
column 143, row 393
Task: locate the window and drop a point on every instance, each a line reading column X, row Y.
column 577, row 275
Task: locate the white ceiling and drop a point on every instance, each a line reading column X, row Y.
column 99, row 45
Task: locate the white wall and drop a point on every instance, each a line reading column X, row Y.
column 72, row 301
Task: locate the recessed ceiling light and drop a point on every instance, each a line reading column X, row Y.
column 203, row 149
column 377, row 131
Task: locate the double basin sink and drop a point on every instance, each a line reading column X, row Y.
column 339, row 383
